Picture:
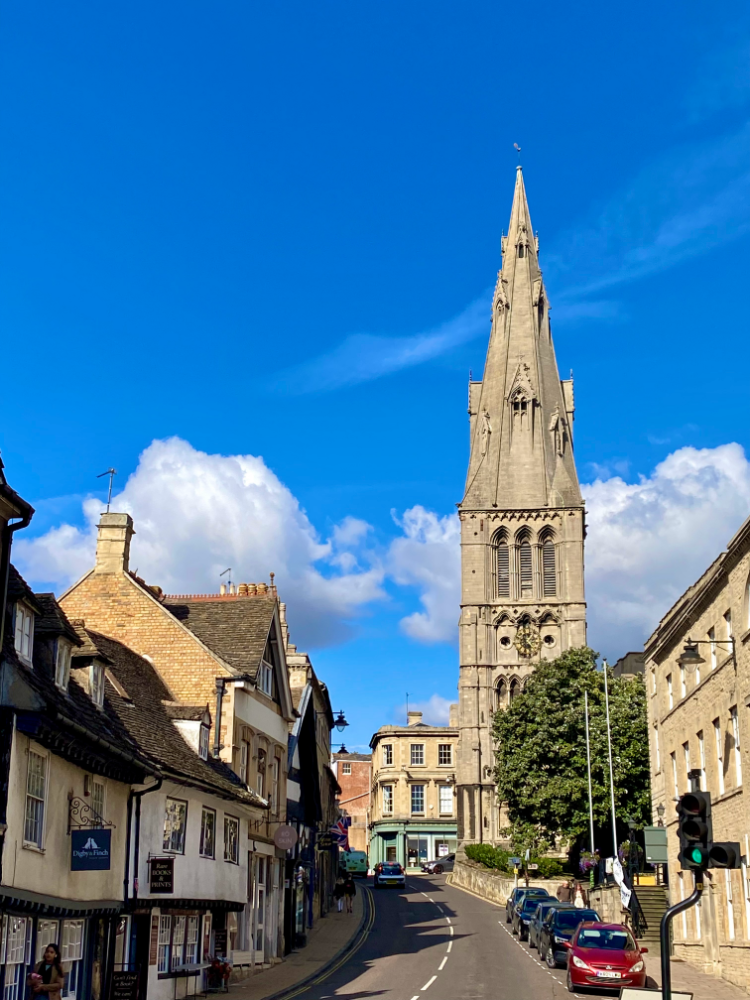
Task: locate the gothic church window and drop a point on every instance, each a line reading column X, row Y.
column 521, row 250
column 525, row 572
column 515, row 689
column 501, row 694
column 549, row 575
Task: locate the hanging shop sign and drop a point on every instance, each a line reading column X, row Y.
column 285, row 837
column 161, row 875
column 90, row 850
column 325, row 842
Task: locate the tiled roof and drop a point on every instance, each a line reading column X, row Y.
column 53, row 620
column 236, row 630
column 151, row 726
column 185, row 713
column 353, row 756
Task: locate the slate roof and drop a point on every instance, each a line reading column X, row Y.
column 53, row 620
column 236, row 629
column 186, row 713
column 151, row 727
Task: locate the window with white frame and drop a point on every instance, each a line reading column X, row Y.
column 673, row 758
column 445, row 753
column 712, row 641
column 261, row 772
column 244, row 758
column 72, row 948
column 417, row 799
column 97, row 683
column 175, row 824
column 208, row 833
column 346, row 767
column 728, row 623
column 178, row 941
column 165, row 941
column 719, row 754
column 702, row 759
column 203, row 742
column 232, row 839
column 98, row 792
column 417, row 753
column 387, row 800
column 191, row 940
column 683, row 686
column 275, row 779
column 657, row 752
column 265, row 678
column 15, row 946
column 62, row 664
column 47, row 932
column 24, row 632
column 387, row 754
column 736, row 739
column 446, row 800
column 670, row 694
column 36, row 796
column 730, row 903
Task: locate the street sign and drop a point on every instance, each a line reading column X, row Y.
column 533, row 867
column 90, row 850
column 515, row 862
column 161, row 875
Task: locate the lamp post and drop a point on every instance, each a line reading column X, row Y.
column 660, row 813
column 632, row 847
column 340, row 722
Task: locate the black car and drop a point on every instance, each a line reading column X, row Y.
column 523, row 912
column 558, row 928
column 543, row 907
column 439, row 865
column 516, row 897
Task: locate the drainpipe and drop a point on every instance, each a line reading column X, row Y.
column 137, row 839
column 220, row 685
column 8, row 531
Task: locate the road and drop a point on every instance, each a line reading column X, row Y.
column 435, row 942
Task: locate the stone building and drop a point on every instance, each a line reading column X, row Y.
column 354, row 774
column 413, row 792
column 522, row 520
column 698, row 721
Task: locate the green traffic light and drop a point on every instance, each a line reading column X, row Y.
column 696, row 855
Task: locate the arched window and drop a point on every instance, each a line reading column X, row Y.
column 549, row 575
column 503, row 569
column 501, row 694
column 521, row 250
column 515, row 689
column 525, row 571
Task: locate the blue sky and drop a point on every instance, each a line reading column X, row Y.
column 270, row 230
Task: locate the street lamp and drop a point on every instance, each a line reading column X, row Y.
column 660, row 813
column 340, row 722
column 690, row 657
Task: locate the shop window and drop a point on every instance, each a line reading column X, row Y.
column 178, row 942
column 165, row 943
column 72, row 957
column 36, row 794
column 47, row 932
column 191, row 940
column 208, row 833
column 15, row 954
column 231, row 839
column 175, row 823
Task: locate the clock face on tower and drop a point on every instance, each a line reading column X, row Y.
column 527, row 640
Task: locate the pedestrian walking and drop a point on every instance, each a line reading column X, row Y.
column 579, row 897
column 565, row 892
column 48, row 977
column 350, row 891
column 338, row 893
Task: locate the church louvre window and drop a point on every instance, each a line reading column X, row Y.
column 525, row 571
column 502, row 567
column 549, row 575
column 521, row 250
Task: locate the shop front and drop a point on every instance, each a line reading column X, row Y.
column 411, row 844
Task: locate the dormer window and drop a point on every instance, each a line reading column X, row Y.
column 24, row 633
column 265, row 678
column 96, row 684
column 203, row 742
column 62, row 664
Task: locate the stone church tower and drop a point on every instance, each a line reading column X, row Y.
column 522, row 521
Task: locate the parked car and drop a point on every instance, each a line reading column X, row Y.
column 517, row 895
column 542, row 909
column 439, row 865
column 523, row 911
column 558, row 928
column 389, row 873
column 605, row 954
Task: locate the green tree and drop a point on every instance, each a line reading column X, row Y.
column 541, row 753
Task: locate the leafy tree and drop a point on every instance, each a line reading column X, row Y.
column 541, row 754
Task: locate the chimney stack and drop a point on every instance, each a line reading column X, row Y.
column 413, row 718
column 113, row 543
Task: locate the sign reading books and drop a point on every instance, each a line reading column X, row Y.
column 90, row 850
column 124, row 985
column 162, row 875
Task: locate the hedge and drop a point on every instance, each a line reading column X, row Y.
column 499, row 859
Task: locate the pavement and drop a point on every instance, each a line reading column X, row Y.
column 434, row 941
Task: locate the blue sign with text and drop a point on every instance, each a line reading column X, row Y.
column 90, row 850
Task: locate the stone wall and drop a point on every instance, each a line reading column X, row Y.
column 491, row 885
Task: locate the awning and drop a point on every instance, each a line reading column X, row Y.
column 25, row 901
column 170, row 903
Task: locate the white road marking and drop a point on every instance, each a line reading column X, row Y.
column 429, row 983
column 438, row 906
column 416, row 997
column 448, row 919
column 541, row 966
column 451, row 930
column 450, row 945
column 442, row 964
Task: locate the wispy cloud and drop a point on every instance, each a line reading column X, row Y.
column 365, row 356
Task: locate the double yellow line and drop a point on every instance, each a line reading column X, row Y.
column 350, row 952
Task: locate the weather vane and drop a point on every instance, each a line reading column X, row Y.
column 518, row 148
column 111, row 473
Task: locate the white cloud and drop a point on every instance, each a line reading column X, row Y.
column 428, row 557
column 435, row 711
column 195, row 514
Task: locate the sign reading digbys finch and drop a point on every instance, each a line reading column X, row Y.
column 90, row 850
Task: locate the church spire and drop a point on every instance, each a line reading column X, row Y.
column 521, row 413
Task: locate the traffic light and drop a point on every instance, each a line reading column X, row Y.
column 697, row 847
column 694, row 830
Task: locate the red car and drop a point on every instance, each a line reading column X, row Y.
column 605, row 955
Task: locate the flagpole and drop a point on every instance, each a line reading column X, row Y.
column 611, row 775
column 588, row 763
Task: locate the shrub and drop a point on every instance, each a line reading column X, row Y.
column 499, row 859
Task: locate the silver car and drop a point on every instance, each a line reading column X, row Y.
column 439, row 865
